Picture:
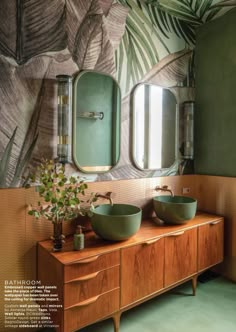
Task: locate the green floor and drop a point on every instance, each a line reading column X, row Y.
column 213, row 309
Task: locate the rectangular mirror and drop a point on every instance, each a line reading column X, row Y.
column 96, row 122
column 153, row 127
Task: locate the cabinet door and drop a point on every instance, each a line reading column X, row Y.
column 180, row 256
column 210, row 244
column 141, row 270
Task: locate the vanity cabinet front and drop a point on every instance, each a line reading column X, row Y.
column 89, row 288
column 142, row 270
column 107, row 278
column 180, row 256
column 210, row 244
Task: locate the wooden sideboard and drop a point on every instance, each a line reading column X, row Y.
column 107, row 278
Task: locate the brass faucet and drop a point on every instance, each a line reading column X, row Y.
column 164, row 188
column 106, row 196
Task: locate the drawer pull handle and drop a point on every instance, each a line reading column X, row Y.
column 215, row 222
column 151, row 241
column 87, row 277
column 85, row 261
column 85, row 303
column 177, row 233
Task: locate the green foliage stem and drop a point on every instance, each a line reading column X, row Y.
column 62, row 195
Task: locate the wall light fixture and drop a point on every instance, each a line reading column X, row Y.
column 64, row 106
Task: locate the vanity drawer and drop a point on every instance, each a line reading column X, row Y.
column 90, row 265
column 91, row 310
column 91, row 285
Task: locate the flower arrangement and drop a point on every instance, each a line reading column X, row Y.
column 61, row 195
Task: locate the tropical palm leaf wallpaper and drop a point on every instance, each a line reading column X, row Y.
column 133, row 40
column 156, row 28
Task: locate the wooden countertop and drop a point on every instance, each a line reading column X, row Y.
column 150, row 228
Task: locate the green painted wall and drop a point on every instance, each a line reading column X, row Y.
column 215, row 116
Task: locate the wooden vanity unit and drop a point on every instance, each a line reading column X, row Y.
column 107, row 278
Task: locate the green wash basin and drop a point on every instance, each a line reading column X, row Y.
column 175, row 209
column 116, row 222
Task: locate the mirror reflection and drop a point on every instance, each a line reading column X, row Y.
column 96, row 122
column 154, row 127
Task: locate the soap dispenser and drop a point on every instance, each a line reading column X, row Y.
column 78, row 242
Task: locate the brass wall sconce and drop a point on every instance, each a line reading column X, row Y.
column 188, row 109
column 64, row 106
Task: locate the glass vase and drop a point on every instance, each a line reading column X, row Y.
column 57, row 236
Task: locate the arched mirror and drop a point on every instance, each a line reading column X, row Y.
column 154, row 127
column 96, row 122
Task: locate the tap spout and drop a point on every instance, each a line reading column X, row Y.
column 164, row 188
column 106, row 196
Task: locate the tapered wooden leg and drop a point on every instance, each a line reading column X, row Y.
column 116, row 321
column 194, row 285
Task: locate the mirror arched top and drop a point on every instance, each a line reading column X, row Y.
column 154, row 127
column 96, row 122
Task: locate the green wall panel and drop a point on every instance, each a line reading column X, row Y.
column 215, row 116
column 97, row 141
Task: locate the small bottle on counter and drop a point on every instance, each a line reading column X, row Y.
column 78, row 242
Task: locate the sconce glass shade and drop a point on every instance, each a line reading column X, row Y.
column 64, row 106
column 188, row 129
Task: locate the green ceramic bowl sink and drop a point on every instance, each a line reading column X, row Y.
column 175, row 209
column 116, row 222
